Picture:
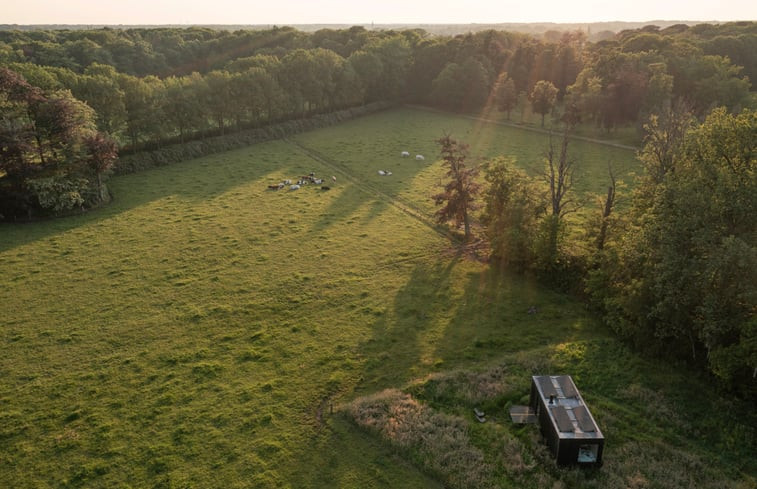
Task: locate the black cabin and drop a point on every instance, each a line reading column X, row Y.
column 569, row 428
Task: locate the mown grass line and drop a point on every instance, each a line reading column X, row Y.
column 481, row 118
column 401, row 204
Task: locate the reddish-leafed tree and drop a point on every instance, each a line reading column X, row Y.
column 51, row 157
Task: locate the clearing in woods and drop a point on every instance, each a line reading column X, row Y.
column 197, row 331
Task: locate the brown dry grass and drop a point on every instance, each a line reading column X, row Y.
column 470, row 387
column 438, row 442
column 463, row 453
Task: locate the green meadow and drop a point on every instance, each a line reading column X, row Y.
column 204, row 331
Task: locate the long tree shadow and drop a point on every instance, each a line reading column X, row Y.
column 357, row 183
column 395, row 351
column 502, row 313
column 190, row 182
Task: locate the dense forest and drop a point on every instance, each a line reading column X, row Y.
column 673, row 271
column 150, row 86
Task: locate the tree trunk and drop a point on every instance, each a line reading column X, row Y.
column 605, row 214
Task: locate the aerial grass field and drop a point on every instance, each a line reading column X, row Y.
column 204, row 331
column 369, row 144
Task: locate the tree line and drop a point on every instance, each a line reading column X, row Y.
column 612, row 82
column 673, row 271
column 151, row 87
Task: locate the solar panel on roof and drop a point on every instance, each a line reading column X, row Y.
column 564, row 424
column 566, row 384
column 583, row 418
column 547, row 389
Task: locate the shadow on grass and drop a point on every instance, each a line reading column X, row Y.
column 395, row 350
column 189, row 182
column 502, row 312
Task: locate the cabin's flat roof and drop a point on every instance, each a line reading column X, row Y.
column 569, row 414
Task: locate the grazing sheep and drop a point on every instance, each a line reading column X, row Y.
column 419, row 157
column 381, row 172
column 333, row 178
column 273, row 187
column 405, row 154
column 294, row 187
column 287, row 182
column 318, row 181
column 388, row 173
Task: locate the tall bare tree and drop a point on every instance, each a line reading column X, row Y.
column 558, row 175
column 607, row 209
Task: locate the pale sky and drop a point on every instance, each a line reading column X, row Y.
column 365, row 12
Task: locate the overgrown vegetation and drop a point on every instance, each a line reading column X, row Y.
column 674, row 271
column 682, row 269
column 653, row 438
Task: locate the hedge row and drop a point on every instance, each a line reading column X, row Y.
column 218, row 144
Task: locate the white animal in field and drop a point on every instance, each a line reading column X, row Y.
column 333, row 178
column 405, row 154
column 388, row 173
column 381, row 172
column 287, row 182
column 419, row 157
column 294, row 187
column 318, row 181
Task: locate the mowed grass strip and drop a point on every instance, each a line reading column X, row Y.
column 366, row 145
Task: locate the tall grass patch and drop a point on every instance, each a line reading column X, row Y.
column 653, row 438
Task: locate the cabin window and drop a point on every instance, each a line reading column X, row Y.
column 588, row 453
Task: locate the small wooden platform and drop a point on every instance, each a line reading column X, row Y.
column 522, row 415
